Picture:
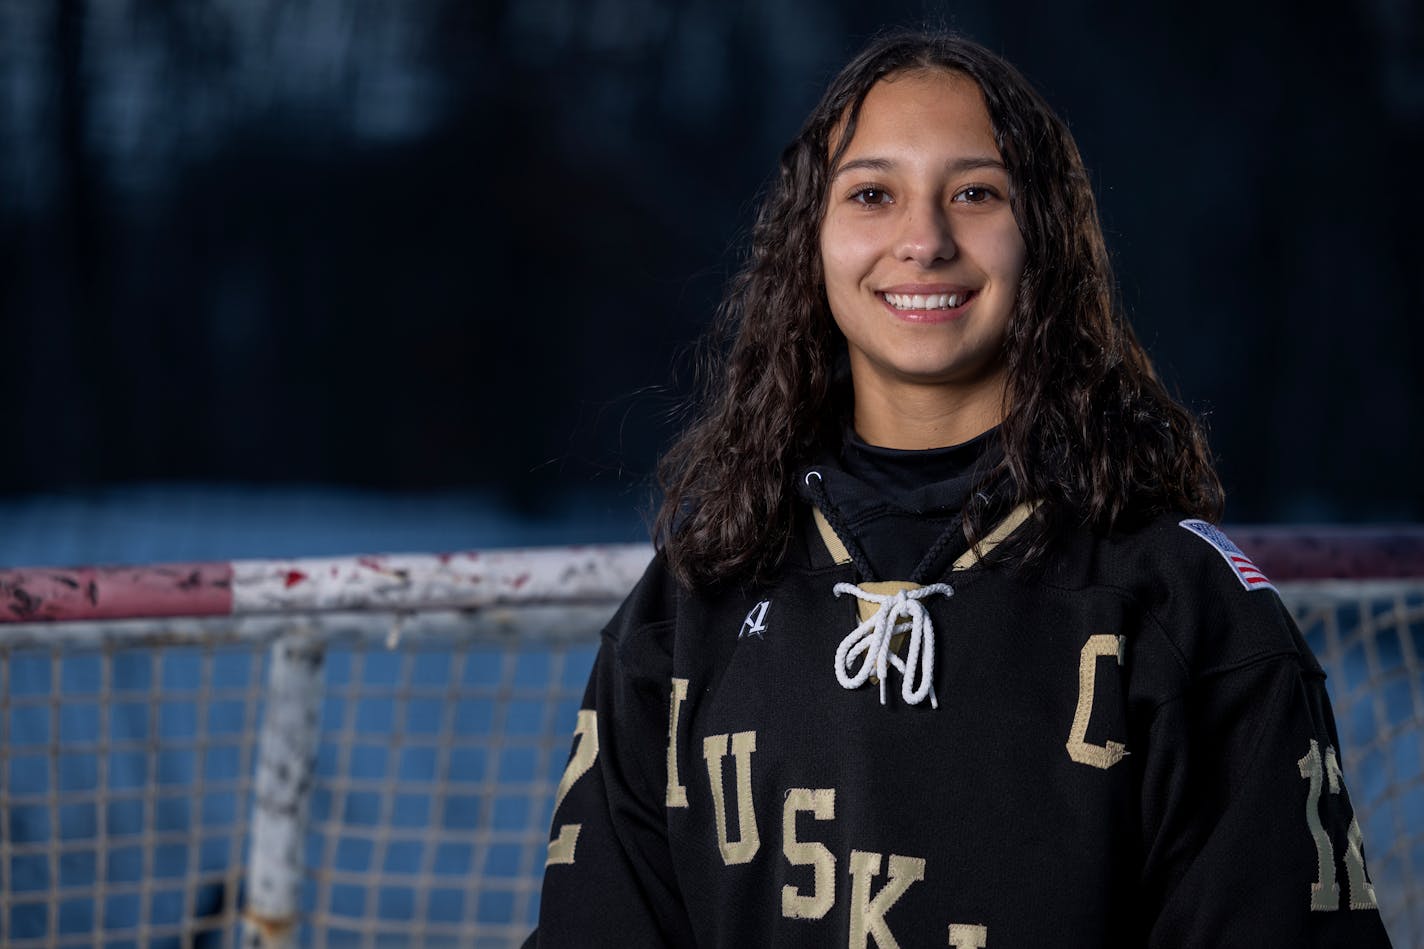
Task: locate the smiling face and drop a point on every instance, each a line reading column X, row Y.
column 921, row 257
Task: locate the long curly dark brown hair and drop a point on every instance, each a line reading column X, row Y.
column 1089, row 432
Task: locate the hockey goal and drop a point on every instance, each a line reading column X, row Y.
column 364, row 751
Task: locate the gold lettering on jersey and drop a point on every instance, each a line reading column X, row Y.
column 1111, row 752
column 968, row 936
column 821, row 802
column 1362, row 891
column 561, row 848
column 714, row 748
column 676, row 793
column 867, row 915
column 1325, row 892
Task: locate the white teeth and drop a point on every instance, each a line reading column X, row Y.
column 932, row 301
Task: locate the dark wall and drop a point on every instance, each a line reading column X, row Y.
column 442, row 244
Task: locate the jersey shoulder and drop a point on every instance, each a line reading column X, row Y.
column 1211, row 600
column 640, row 633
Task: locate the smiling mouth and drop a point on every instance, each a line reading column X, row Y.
column 927, row 301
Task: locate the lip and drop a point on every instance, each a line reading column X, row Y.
column 924, row 289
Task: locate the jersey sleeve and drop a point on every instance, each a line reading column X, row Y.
column 608, row 877
column 1249, row 835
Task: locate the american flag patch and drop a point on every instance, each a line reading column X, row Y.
column 1247, row 572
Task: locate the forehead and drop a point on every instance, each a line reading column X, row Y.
column 924, row 108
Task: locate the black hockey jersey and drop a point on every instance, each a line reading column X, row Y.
column 1132, row 747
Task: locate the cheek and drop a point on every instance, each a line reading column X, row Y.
column 1009, row 255
column 833, row 268
column 846, row 257
column 837, row 277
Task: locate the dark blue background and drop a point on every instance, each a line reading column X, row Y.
column 448, row 248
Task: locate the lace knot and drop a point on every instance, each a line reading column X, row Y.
column 869, row 643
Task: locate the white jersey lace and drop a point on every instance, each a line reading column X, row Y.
column 870, row 642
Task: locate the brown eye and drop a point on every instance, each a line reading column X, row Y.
column 871, row 196
column 974, row 195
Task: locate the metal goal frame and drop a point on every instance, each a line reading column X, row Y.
column 363, row 751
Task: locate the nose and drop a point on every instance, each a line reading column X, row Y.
column 925, row 235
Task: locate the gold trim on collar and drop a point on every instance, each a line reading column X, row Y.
column 833, row 543
column 995, row 537
column 837, row 549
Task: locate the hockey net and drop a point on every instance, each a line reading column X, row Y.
column 395, row 728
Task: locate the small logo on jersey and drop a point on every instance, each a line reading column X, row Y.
column 755, row 623
column 1247, row 572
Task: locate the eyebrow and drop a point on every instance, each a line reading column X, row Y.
column 968, row 163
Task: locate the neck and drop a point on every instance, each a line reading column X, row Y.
column 914, row 417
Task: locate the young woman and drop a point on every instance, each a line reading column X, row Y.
column 940, row 646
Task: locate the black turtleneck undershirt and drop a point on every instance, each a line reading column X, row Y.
column 898, row 502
